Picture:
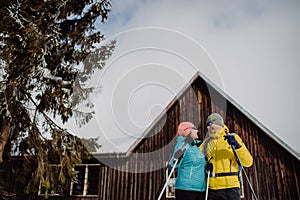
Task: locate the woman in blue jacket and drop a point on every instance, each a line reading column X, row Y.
column 190, row 182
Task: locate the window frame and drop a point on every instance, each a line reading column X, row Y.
column 70, row 191
column 46, row 193
column 170, row 188
column 85, row 183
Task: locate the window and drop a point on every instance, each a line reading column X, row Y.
column 170, row 189
column 86, row 184
column 57, row 188
column 87, row 180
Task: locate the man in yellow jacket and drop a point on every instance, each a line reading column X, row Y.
column 224, row 169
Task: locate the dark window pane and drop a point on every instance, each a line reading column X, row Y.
column 57, row 187
column 78, row 186
column 93, row 179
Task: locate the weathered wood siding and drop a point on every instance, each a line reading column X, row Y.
column 275, row 173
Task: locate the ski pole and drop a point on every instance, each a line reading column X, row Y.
column 240, row 164
column 183, row 149
column 173, row 168
column 207, row 183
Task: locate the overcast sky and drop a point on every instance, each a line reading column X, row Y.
column 250, row 49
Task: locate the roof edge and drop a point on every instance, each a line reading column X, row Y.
column 251, row 117
column 270, row 133
column 132, row 148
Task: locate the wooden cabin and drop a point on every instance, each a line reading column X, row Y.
column 140, row 173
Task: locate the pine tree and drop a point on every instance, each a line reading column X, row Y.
column 48, row 51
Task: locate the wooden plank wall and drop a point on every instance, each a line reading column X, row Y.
column 275, row 173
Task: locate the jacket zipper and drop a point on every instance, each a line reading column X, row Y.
column 191, row 172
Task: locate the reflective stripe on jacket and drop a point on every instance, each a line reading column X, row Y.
column 224, row 161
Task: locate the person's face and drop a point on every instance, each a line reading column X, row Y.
column 212, row 128
column 194, row 134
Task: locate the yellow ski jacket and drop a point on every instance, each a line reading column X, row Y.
column 220, row 154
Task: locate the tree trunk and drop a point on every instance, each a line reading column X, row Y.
column 4, row 137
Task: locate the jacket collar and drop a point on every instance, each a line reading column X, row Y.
column 219, row 133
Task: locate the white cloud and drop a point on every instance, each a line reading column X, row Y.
column 254, row 45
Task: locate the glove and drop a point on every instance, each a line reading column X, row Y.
column 197, row 142
column 209, row 167
column 232, row 141
column 189, row 139
column 179, row 154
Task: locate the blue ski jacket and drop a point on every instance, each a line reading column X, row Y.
column 191, row 168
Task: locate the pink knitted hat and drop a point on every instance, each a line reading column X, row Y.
column 185, row 128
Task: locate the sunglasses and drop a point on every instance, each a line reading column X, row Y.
column 191, row 128
column 209, row 123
